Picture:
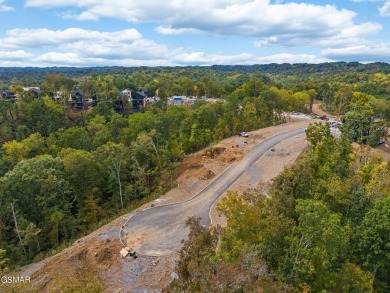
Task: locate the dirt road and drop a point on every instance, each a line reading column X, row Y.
column 159, row 231
column 318, row 111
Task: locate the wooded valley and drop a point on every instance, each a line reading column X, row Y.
column 325, row 226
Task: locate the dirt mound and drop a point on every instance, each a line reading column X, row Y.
column 79, row 256
column 213, row 152
column 195, row 166
column 106, row 255
column 206, row 175
column 235, row 153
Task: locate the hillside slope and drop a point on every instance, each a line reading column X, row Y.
column 94, row 260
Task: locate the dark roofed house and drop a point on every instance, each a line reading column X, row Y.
column 35, row 91
column 7, row 94
column 77, row 99
column 138, row 99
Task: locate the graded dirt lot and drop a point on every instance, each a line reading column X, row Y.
column 98, row 253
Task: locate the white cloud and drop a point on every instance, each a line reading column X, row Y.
column 58, row 3
column 139, row 49
column 79, row 47
column 364, row 52
column 385, row 9
column 201, row 58
column 195, row 58
column 75, row 46
column 359, row 1
column 347, row 36
column 270, row 23
column 15, row 55
column 4, row 7
column 60, row 58
column 168, row 30
column 83, row 16
column 290, row 22
column 36, row 38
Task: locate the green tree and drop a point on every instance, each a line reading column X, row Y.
column 194, row 272
column 342, row 97
column 75, row 137
column 150, row 155
column 318, row 133
column 273, row 100
column 116, row 126
column 99, row 131
column 9, row 119
column 114, row 158
column 14, row 151
column 3, row 259
column 325, row 94
column 35, row 144
column 92, row 211
column 381, row 108
column 56, row 217
column 378, row 186
column 30, row 235
column 199, row 137
column 353, row 279
column 374, row 240
column 254, row 222
column 44, row 116
column 317, row 246
column 360, row 98
column 168, row 123
column 300, row 102
column 81, row 171
column 139, row 122
column 232, row 112
column 253, row 88
column 357, row 122
column 187, row 85
column 36, row 188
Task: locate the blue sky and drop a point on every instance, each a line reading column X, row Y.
column 192, row 32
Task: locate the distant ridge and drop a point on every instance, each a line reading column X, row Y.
column 38, row 74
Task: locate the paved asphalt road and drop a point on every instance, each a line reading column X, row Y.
column 163, row 228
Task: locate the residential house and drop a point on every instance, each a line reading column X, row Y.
column 58, row 95
column 126, row 94
column 138, row 98
column 7, row 94
column 33, row 90
column 77, row 100
column 177, row 100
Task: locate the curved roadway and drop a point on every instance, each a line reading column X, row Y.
column 161, row 229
